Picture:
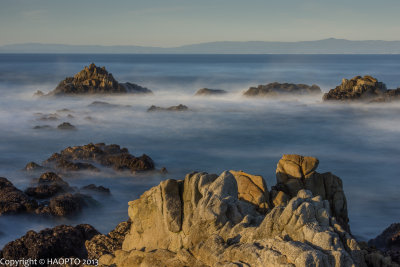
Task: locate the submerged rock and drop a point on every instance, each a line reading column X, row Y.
column 102, row 104
column 107, row 155
column 209, row 92
column 97, row 189
column 42, row 127
column 66, row 126
column 179, row 107
column 359, row 88
column 51, row 243
column 95, row 80
column 13, row 200
column 278, row 89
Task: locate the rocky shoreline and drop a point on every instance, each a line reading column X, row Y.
column 231, row 219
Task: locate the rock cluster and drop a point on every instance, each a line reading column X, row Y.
column 78, row 157
column 13, row 200
column 209, row 92
column 179, row 107
column 95, row 80
column 359, row 88
column 232, row 220
column 389, row 241
column 277, row 89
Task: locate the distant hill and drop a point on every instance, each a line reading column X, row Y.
column 326, row 46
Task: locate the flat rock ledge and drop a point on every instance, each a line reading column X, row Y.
column 234, row 220
column 281, row 89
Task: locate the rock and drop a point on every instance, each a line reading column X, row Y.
column 101, row 245
column 180, row 107
column 38, row 93
column 253, row 189
column 64, row 110
column 67, row 204
column 42, row 127
column 95, row 80
column 49, row 184
column 277, row 89
column 202, row 221
column 295, row 172
column 389, row 242
column 358, row 88
column 51, row 243
column 13, row 200
column 96, row 189
column 209, row 92
column 49, row 117
column 33, row 166
column 66, row 126
column 102, row 104
column 106, row 155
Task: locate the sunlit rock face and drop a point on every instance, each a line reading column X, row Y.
column 232, row 220
column 282, row 89
column 95, row 80
column 359, row 88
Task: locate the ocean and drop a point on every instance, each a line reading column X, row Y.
column 357, row 142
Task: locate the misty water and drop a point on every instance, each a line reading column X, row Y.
column 358, row 143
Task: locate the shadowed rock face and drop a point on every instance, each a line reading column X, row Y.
column 277, row 89
column 211, row 220
column 60, row 241
column 210, row 92
column 106, row 155
column 13, row 200
column 389, row 241
column 95, row 80
column 359, row 88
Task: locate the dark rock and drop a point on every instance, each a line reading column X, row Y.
column 163, row 170
column 69, row 116
column 38, row 93
column 107, row 244
column 102, row 104
column 49, row 117
column 98, row 189
column 60, row 241
column 358, row 88
column 33, row 166
column 208, row 92
column 107, row 155
column 49, row 184
column 60, row 163
column 42, row 127
column 13, row 200
column 95, row 80
column 67, row 204
column 66, row 126
column 277, row 89
column 389, row 242
column 180, row 107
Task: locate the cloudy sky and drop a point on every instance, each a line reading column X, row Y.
column 178, row 22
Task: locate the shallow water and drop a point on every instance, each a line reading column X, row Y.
column 359, row 143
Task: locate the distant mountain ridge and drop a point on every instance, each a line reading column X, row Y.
column 325, row 46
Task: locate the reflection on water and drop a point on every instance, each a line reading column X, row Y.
column 359, row 143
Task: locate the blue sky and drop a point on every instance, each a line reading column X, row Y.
column 178, row 22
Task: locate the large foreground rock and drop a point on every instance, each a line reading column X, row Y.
column 60, row 241
column 278, row 89
column 359, row 88
column 211, row 220
column 95, row 80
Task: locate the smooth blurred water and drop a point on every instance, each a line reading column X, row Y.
column 359, row 143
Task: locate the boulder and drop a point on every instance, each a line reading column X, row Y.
column 210, row 92
column 365, row 88
column 49, row 184
column 389, row 242
column 95, row 80
column 281, row 89
column 66, row 126
column 179, row 107
column 295, row 172
column 96, row 189
column 13, row 200
column 67, row 204
column 51, row 243
column 33, row 166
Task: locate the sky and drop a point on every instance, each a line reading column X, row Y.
column 169, row 23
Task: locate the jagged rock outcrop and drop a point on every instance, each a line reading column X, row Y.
column 359, row 88
column 209, row 92
column 60, row 241
column 95, row 80
column 278, row 89
column 389, row 242
column 48, row 185
column 179, row 107
column 66, row 126
column 106, row 155
column 211, row 220
column 13, row 200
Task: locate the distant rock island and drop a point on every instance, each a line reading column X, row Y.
column 95, row 80
column 179, row 107
column 365, row 88
column 277, row 89
column 209, row 92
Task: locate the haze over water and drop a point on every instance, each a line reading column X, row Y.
column 358, row 143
